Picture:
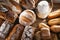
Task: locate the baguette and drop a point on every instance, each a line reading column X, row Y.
column 55, row 28
column 54, row 21
column 54, row 14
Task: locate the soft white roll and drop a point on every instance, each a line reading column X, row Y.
column 43, row 9
column 27, row 17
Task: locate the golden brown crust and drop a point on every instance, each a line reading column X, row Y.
column 43, row 25
column 54, row 21
column 54, row 14
column 55, row 28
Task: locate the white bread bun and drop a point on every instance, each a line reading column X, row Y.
column 43, row 9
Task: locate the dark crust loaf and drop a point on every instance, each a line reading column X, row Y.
column 16, row 33
column 5, row 29
column 28, row 33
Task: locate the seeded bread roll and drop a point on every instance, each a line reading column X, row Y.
column 54, row 14
column 27, row 17
column 28, row 33
column 55, row 28
column 45, row 31
column 16, row 33
column 54, row 21
column 28, row 4
column 5, row 29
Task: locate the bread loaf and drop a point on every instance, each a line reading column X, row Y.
column 5, row 29
column 28, row 4
column 45, row 31
column 54, row 21
column 28, row 33
column 55, row 28
column 54, row 14
column 16, row 33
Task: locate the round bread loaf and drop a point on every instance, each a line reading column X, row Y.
column 27, row 17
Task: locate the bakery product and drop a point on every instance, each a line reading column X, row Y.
column 43, row 9
column 28, row 4
column 16, row 32
column 15, row 6
column 5, row 29
column 55, row 28
column 45, row 31
column 54, row 21
column 28, row 33
column 54, row 14
column 8, row 15
column 27, row 17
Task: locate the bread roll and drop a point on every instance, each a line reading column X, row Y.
column 43, row 25
column 54, row 21
column 45, row 31
column 11, row 16
column 8, row 15
column 43, row 9
column 55, row 28
column 15, row 7
column 28, row 33
column 54, row 14
column 16, row 33
column 28, row 4
column 5, row 29
column 27, row 17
